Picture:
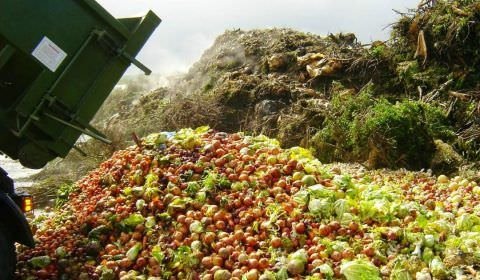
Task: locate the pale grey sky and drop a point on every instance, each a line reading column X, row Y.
column 190, row 26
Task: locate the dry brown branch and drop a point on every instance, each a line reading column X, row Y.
column 459, row 95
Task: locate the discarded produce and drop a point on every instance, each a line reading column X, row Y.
column 200, row 204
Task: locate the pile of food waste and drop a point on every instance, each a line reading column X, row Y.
column 201, row 204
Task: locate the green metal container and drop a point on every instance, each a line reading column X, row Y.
column 59, row 60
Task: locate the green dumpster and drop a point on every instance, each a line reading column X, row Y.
column 59, row 60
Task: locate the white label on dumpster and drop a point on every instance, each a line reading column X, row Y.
column 49, row 54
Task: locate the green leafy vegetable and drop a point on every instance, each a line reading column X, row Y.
column 158, row 254
column 320, row 207
column 320, row 191
column 133, row 220
column 438, row 269
column 326, row 271
column 40, row 262
column 132, row 253
column 360, row 270
column 155, row 139
column 140, row 204
column 196, row 227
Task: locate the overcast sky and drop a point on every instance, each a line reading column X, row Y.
column 190, row 26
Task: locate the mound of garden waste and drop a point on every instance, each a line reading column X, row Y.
column 411, row 101
column 202, row 204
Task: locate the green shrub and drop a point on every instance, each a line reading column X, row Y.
column 334, row 142
column 381, row 133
